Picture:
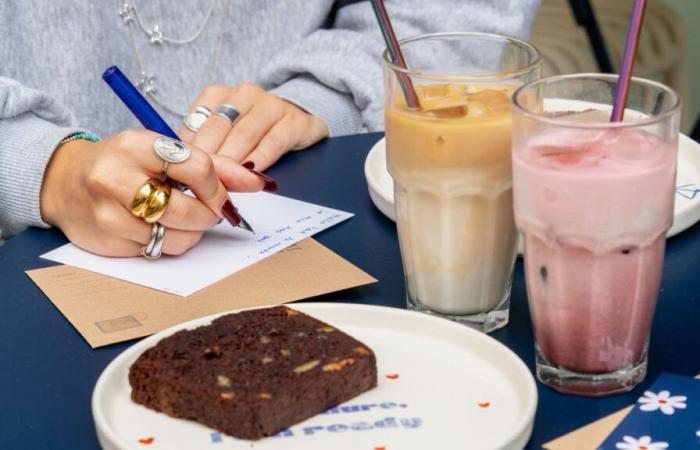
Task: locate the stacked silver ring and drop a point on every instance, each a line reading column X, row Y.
column 195, row 120
column 171, row 151
column 154, row 248
column 228, row 112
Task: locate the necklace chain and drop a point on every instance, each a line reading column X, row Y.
column 147, row 81
column 154, row 33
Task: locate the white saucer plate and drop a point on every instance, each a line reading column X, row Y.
column 441, row 385
column 687, row 206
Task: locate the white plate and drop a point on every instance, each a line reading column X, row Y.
column 686, row 211
column 447, row 374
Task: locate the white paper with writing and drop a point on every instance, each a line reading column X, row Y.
column 278, row 222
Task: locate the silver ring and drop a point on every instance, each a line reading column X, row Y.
column 228, row 112
column 153, row 249
column 195, row 120
column 171, row 151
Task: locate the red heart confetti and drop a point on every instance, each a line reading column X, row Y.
column 147, row 441
column 485, row 404
column 393, row 376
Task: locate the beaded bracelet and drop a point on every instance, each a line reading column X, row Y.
column 85, row 135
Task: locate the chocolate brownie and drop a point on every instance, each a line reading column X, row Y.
column 253, row 373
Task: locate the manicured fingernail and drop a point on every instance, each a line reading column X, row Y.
column 270, row 184
column 231, row 213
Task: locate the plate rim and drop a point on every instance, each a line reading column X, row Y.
column 523, row 426
column 690, row 216
column 374, row 186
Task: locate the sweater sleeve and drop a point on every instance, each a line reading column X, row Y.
column 336, row 73
column 32, row 123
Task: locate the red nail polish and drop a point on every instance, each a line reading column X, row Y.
column 270, row 184
column 231, row 213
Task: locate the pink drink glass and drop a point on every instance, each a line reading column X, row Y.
column 593, row 200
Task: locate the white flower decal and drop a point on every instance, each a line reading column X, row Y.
column 662, row 401
column 643, row 443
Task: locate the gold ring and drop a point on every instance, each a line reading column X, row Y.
column 150, row 201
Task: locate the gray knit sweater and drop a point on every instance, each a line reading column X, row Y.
column 322, row 55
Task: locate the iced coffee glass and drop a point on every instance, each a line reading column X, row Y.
column 451, row 164
column 594, row 201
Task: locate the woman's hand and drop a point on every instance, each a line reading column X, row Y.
column 88, row 188
column 266, row 128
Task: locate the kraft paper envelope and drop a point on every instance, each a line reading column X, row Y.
column 591, row 436
column 107, row 310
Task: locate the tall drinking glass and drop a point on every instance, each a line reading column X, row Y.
column 594, row 201
column 451, row 164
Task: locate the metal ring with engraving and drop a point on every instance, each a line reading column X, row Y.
column 228, row 112
column 153, row 249
column 171, row 151
column 196, row 119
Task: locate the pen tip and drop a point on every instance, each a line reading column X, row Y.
column 245, row 225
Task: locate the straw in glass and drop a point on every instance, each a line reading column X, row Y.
column 392, row 46
column 623, row 83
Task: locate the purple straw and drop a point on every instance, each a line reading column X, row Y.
column 623, row 83
column 394, row 49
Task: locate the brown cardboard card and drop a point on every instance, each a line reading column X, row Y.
column 592, row 435
column 106, row 310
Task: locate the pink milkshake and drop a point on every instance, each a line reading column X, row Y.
column 594, row 202
column 594, row 251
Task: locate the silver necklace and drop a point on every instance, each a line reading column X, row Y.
column 156, row 35
column 147, row 80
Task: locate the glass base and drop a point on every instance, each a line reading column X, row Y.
column 588, row 384
column 484, row 322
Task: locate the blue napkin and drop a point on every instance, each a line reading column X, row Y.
column 667, row 416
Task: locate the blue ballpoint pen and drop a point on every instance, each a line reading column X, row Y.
column 151, row 120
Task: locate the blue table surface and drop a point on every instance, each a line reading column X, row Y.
column 47, row 370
